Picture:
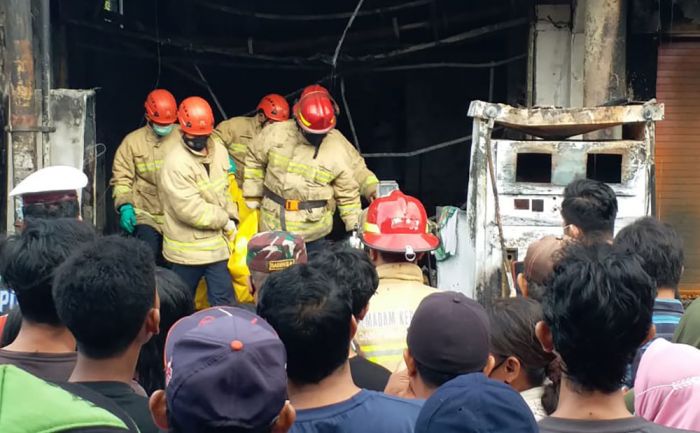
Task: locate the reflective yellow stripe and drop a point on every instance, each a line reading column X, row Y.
column 371, row 180
column 306, row 171
column 146, row 167
column 370, row 228
column 238, row 147
column 348, row 209
column 298, row 226
column 382, row 347
column 204, row 219
column 206, row 245
column 253, row 173
column 207, row 185
column 157, row 218
column 121, row 189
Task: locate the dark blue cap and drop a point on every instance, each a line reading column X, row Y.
column 224, row 366
column 472, row 403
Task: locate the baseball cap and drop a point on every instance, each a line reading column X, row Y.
column 449, row 333
column 540, row 258
column 275, row 251
column 474, row 403
column 224, row 366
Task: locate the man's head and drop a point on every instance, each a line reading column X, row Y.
column 196, row 122
column 539, row 266
column 105, row 294
column 351, row 268
column 270, row 252
column 471, row 403
column 448, row 336
column 313, row 317
column 315, row 113
column 396, row 229
column 51, row 192
column 597, row 313
column 272, row 108
column 161, row 111
column 29, row 260
column 589, row 209
column 660, row 248
column 225, row 372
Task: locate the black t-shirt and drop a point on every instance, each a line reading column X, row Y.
column 100, row 401
column 125, row 396
column 368, row 375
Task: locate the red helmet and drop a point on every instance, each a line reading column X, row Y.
column 161, row 107
column 275, row 107
column 315, row 112
column 398, row 223
column 195, row 116
column 314, row 88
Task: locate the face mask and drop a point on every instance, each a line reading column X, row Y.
column 314, row 139
column 196, row 143
column 162, row 130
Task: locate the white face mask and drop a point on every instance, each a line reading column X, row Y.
column 162, row 130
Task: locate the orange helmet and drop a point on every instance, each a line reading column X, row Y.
column 161, row 107
column 315, row 112
column 275, row 107
column 195, row 116
column 398, row 223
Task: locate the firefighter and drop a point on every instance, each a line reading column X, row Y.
column 296, row 168
column 363, row 176
column 396, row 232
column 135, row 171
column 237, row 132
column 199, row 212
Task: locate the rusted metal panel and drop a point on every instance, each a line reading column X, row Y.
column 555, row 122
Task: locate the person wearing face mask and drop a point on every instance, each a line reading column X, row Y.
column 199, row 212
column 236, row 133
column 299, row 170
column 135, row 170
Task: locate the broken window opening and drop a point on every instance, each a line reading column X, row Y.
column 534, row 167
column 604, row 167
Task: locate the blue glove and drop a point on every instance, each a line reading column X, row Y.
column 232, row 169
column 127, row 218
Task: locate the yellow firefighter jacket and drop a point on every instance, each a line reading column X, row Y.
column 363, row 175
column 196, row 203
column 236, row 134
column 135, row 173
column 382, row 333
column 281, row 161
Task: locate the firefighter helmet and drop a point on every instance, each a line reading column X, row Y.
column 275, row 107
column 161, row 107
column 196, row 117
column 315, row 113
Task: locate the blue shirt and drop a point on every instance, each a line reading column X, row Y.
column 367, row 411
column 666, row 317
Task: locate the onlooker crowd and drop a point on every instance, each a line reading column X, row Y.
column 347, row 340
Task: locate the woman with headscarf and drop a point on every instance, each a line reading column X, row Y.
column 667, row 386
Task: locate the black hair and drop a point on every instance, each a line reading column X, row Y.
column 659, row 246
column 599, row 309
column 351, row 268
column 30, row 258
column 103, row 293
column 590, row 205
column 535, row 290
column 176, row 302
column 433, row 378
column 312, row 316
column 513, row 322
column 66, row 208
column 13, row 323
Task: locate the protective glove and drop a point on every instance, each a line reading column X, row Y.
column 127, row 218
column 252, row 204
column 230, row 230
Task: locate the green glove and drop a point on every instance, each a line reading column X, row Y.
column 127, row 218
column 232, row 163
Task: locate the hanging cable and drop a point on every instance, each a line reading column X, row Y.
column 155, row 86
column 211, row 92
column 334, row 62
column 347, row 112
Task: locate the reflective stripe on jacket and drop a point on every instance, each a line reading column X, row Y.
column 382, row 333
column 236, row 134
column 281, row 159
column 194, row 191
column 137, row 162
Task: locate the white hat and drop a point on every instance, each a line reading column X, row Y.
column 49, row 179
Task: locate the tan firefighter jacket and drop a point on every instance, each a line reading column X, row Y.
column 135, row 171
column 196, row 204
column 280, row 162
column 236, row 134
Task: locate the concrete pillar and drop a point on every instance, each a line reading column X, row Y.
column 605, row 24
